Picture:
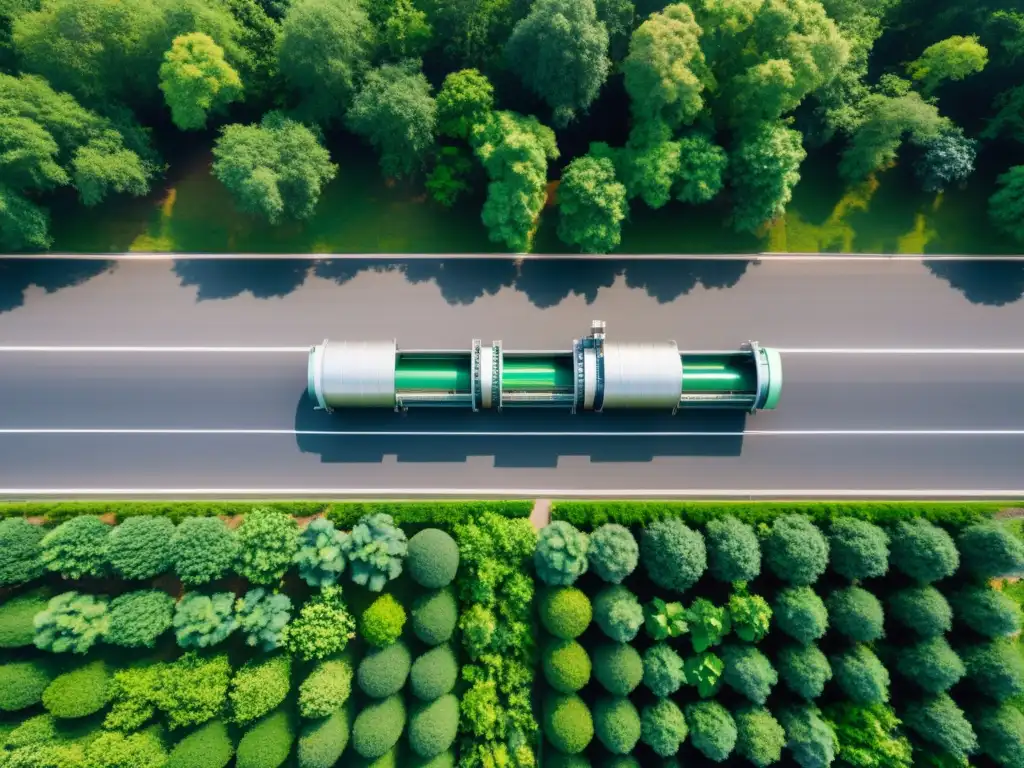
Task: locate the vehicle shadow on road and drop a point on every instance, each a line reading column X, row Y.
column 994, row 283
column 18, row 275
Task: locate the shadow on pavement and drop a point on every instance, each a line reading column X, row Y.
column 18, row 275
column 226, row 278
column 995, row 283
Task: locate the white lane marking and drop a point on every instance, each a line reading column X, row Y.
column 509, row 433
column 179, row 350
column 899, row 351
column 264, row 350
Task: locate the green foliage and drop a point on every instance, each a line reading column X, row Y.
column 750, row 615
column 202, row 549
column 1006, row 206
column 592, row 205
column 664, row 620
column 946, row 159
column 268, row 743
column 931, row 664
column 196, row 79
column 673, row 555
column 16, row 618
column 435, row 673
column 734, row 553
column 140, row 547
column 795, row 550
column 861, row 675
column 939, row 721
column 996, row 668
column 663, row 727
column 663, row 670
column 433, row 726
column 192, row 689
column 618, row 613
column 613, row 553
column 922, row 609
column 712, row 729
column 561, row 554
column 951, row 59
column 20, row 551
column 382, row 623
column 989, row 550
column 809, row 738
column 858, row 549
column 465, row 100
column 383, row 671
column 262, row 617
column 704, row 671
column 209, row 746
column 759, row 736
column 748, row 672
column 923, row 551
column 138, row 619
column 320, row 558
column 204, row 620
column 804, row 669
column 22, row 684
column 801, row 614
column 709, row 624
column 448, row 179
column 869, row 736
column 375, row 550
column 566, row 666
column 1000, row 732
column 618, row 668
column 434, row 616
column 79, row 693
column 77, row 548
column 267, row 542
column 71, row 623
column 407, row 32
column 617, row 724
column 118, row 750
column 764, row 170
column 649, row 163
column 323, row 627
column 259, row 687
column 857, row 614
column 379, row 726
column 433, row 558
column 702, row 166
column 987, row 611
column 326, row 688
column 134, row 695
column 568, row 724
column 322, row 742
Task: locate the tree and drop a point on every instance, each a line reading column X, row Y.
column 140, row 547
column 262, row 617
column 932, row 665
column 988, row 550
column 1009, row 117
column 989, row 612
column 323, row 627
column 763, row 171
column 320, row 557
column 381, row 624
column 204, row 620
column 923, row 551
column 618, row 667
column 77, row 548
column 673, row 554
column 663, row 670
column 616, row 724
column 567, row 723
column 138, row 619
column 447, row 180
column 197, row 80
column 375, row 550
column 326, row 688
column 465, row 100
column 72, row 623
column 663, row 727
column 941, row 722
column 275, row 169
column 193, row 689
column 795, row 550
column 748, row 672
column 712, row 729
column 1006, row 206
column 734, row 553
column 702, row 166
column 202, row 549
column 592, row 205
column 79, row 692
column 804, row 669
column 19, row 551
column 801, row 614
column 857, row 549
column 810, row 738
column 649, row 164
column 861, row 675
column 613, row 553
column 267, row 542
column 951, row 59
column 1000, row 733
column 23, row 224
column 407, row 33
column 560, row 51
column 434, row 674
column 923, row 609
column 869, row 736
column 258, row 687
column 946, row 160
column 856, row 613
column 760, row 737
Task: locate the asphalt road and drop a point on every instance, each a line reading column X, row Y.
column 855, row 421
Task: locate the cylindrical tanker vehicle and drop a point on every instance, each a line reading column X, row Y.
column 595, row 375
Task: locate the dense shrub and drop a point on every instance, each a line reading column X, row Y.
column 201, row 621
column 705, row 672
column 209, row 746
column 138, row 618
column 663, row 670
column 857, row 549
column 988, row 550
column 922, row 609
column 71, row 623
column 796, row 550
column 77, row 548
column 20, row 551
column 618, row 667
column 618, row 613
column 996, row 669
column 561, row 554
column 203, row 549
column 323, row 627
column 193, row 688
column 709, row 624
column 80, row 692
column 381, row 624
column 375, row 551
column 433, row 726
column 320, row 557
column 748, row 672
column 16, row 618
column 119, row 750
column 801, row 614
column 664, row 620
column 262, row 617
column 613, row 553
column 267, row 542
column 383, row 671
column 326, row 688
column 444, row 760
column 931, row 664
column 434, row 616
column 923, row 551
column 856, row 613
column 259, row 687
column 135, row 693
column 663, row 727
column 434, row 674
column 987, row 611
column 616, row 724
column 379, row 726
column 869, row 736
column 568, row 724
column 809, row 738
column 734, row 553
column 1000, row 732
column 555, row 759
column 940, row 721
column 322, row 742
column 565, row 612
column 804, row 669
column 268, row 743
column 759, row 736
column 22, row 684
column 566, row 666
column 673, row 555
column 140, row 547
column 861, row 675
column 433, row 558
column 712, row 729
column 750, row 616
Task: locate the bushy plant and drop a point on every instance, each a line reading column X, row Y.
column 138, row 619
column 80, row 692
column 433, row 558
column 267, row 542
column 804, row 669
column 77, row 548
column 923, row 551
column 268, row 743
column 613, row 553
column 259, row 687
column 40, row 730
column 323, row 627
column 988, row 551
column 20, row 551
column 209, row 746
column 618, row 613
column 734, row 553
column 71, row 623
column 987, row 611
column 568, row 724
column 1000, row 732
column 119, row 750
column 383, row 671
column 996, row 668
column 749, row 672
column 618, row 667
column 663, row 670
column 673, row 554
column 858, row 550
column 759, row 736
column 566, row 666
column 433, row 726
column 616, row 724
column 796, row 550
column 939, row 721
column 22, row 684
column 326, row 688
column 262, row 617
column 434, row 616
column 479, row 627
column 375, row 551
column 664, row 620
column 709, row 624
column 856, row 613
column 140, row 547
column 561, row 554
column 750, row 616
column 809, row 737
column 712, row 729
column 704, row 670
column 931, row 664
column 869, row 736
column 434, row 674
column 382, row 623
column 320, row 558
column 201, row 621
column 134, row 694
column 378, row 727
column 801, row 614
column 192, row 689
column 861, row 675
column 322, row 742
column 203, row 549
column 922, row 609
column 663, row 727
column 16, row 618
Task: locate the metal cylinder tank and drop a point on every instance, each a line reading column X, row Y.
column 642, row 376
column 352, row 374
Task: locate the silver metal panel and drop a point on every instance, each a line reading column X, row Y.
column 359, row 374
column 589, row 378
column 314, row 376
column 642, row 375
column 486, row 375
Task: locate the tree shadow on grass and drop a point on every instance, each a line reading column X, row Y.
column 52, row 275
column 994, row 283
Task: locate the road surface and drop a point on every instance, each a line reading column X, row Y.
column 895, row 382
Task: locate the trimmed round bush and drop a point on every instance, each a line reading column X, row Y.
column 922, row 609
column 748, row 672
column 801, row 614
column 382, row 623
column 80, row 692
column 22, row 684
column 267, row 542
column 988, row 551
column 996, row 669
column 613, row 553
column 433, row 726
column 987, row 611
column 861, row 675
column 673, row 554
column 20, row 551
column 856, row 613
column 16, row 618
column 939, row 721
column 140, row 547
column 77, row 548
column 259, row 687
column 618, row 667
column 858, row 550
column 434, row 616
column 1000, row 733
column 923, row 551
column 326, row 688
column 268, row 743
column 567, row 723
column 566, row 666
column 759, row 736
column 434, row 674
column 137, row 619
column 734, row 553
column 804, row 669
column 112, row 749
column 383, row 671
column 616, row 724
column 809, row 738
column 712, row 729
column 202, row 549
column 663, row 670
column 796, row 550
column 565, row 612
column 931, row 664
column 432, row 558
column 618, row 613
column 561, row 554
column 209, row 746
column 321, row 742
column 663, row 727
column 379, row 727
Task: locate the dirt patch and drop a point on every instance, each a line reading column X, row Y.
column 541, row 514
column 1010, row 513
